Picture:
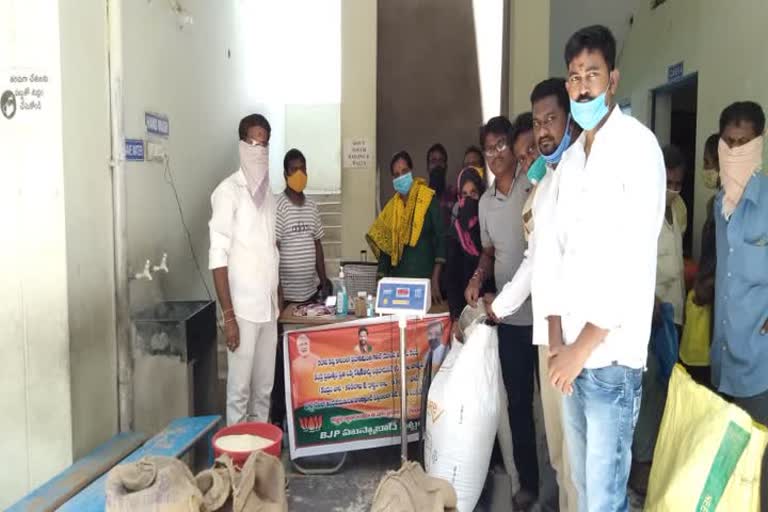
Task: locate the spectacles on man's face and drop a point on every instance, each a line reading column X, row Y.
column 546, row 123
column 498, row 148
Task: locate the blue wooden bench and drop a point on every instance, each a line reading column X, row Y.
column 81, row 487
column 76, row 477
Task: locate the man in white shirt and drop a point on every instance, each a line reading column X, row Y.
column 599, row 291
column 670, row 272
column 554, row 131
column 244, row 259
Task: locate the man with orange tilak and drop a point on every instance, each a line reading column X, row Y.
column 608, row 214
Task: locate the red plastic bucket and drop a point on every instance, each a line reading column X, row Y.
column 266, row 430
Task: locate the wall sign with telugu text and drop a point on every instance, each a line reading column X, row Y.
column 22, row 93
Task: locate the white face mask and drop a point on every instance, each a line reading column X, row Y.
column 254, row 161
column 671, row 195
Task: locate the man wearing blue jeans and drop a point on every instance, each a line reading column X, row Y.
column 599, row 293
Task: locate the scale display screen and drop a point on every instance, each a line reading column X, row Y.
column 403, row 296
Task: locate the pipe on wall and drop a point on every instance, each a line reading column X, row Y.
column 119, row 219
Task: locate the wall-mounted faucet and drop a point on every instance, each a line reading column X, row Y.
column 146, row 274
column 163, row 266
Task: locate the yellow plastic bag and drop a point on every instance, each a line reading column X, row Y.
column 695, row 342
column 708, row 453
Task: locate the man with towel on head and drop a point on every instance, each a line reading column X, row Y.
column 244, row 260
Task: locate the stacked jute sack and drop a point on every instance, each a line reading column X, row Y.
column 162, row 484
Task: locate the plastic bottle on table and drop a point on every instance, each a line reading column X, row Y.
column 370, row 306
column 342, row 300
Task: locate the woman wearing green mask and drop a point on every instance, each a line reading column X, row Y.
column 408, row 236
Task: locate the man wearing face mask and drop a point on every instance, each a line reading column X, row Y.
column 739, row 351
column 670, row 289
column 608, row 214
column 299, row 232
column 437, row 169
column 299, row 235
column 710, row 172
column 704, row 284
column 694, row 350
column 244, row 259
column 509, row 150
column 554, row 131
column 473, row 157
column 670, row 280
column 408, row 236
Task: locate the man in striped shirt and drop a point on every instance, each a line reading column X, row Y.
column 299, row 231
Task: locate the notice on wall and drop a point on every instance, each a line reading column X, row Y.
column 675, row 72
column 157, row 124
column 22, row 93
column 342, row 382
column 357, row 153
column 134, row 150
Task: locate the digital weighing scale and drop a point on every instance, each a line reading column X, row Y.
column 403, row 298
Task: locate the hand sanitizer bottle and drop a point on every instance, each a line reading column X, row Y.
column 342, row 301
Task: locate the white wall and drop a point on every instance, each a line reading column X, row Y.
column 35, row 425
column 57, row 374
column 488, row 16
column 358, row 120
column 722, row 43
column 88, row 209
column 196, row 77
column 528, row 52
column 296, row 83
column 568, row 16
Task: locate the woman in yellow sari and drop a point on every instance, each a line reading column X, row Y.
column 408, row 236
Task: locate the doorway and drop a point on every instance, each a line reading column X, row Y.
column 673, row 120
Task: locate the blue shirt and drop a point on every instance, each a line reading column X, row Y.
column 739, row 352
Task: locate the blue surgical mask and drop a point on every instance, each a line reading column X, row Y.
column 556, row 155
column 403, row 183
column 537, row 170
column 589, row 114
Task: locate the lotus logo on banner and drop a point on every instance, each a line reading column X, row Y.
column 311, row 423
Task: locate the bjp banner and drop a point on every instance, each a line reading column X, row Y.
column 343, row 382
